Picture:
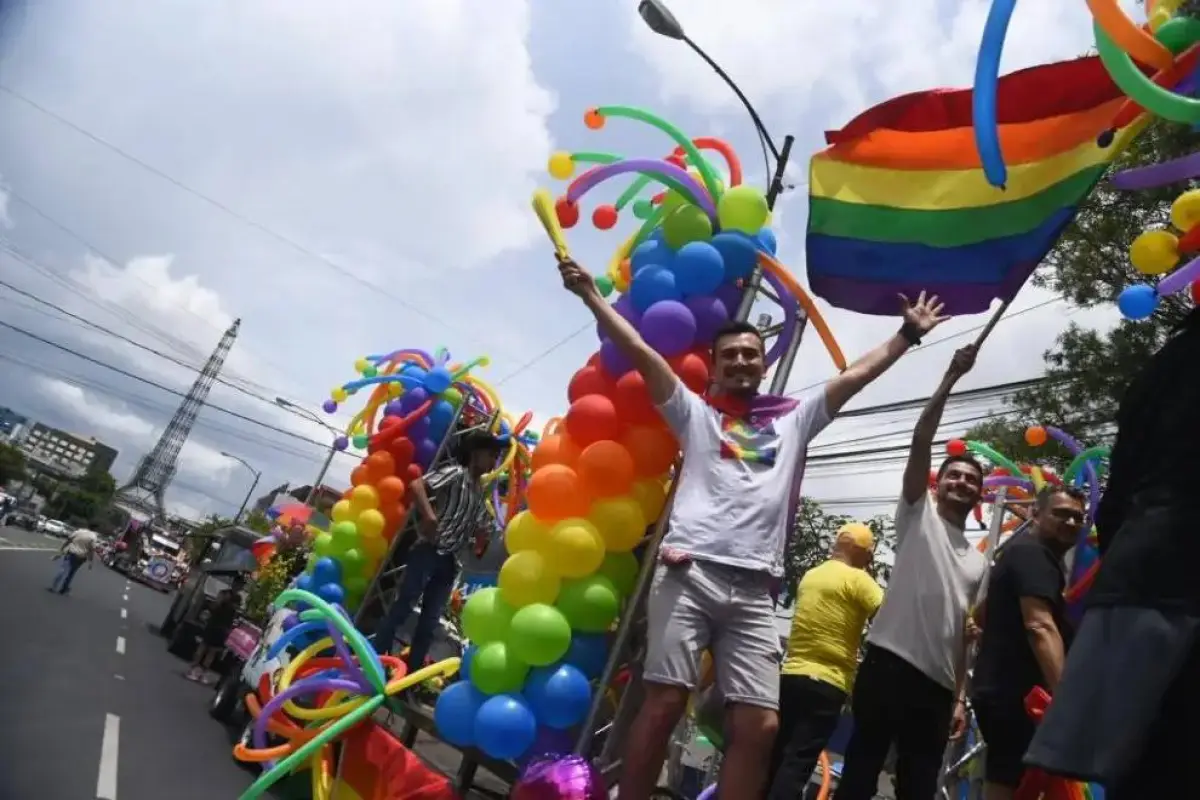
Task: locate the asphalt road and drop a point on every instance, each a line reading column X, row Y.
column 93, row 704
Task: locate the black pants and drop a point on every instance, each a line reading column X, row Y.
column 896, row 702
column 1007, row 730
column 809, row 711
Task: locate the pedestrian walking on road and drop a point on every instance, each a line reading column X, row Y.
column 79, row 548
column 212, row 639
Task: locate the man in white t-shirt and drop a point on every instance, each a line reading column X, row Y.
column 723, row 556
column 79, row 548
column 910, row 687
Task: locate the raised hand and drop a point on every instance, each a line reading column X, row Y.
column 963, row 361
column 925, row 314
column 576, row 279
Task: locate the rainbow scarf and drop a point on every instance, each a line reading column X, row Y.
column 899, row 203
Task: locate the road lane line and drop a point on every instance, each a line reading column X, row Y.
column 125, row 598
column 124, row 613
column 110, row 749
column 120, row 645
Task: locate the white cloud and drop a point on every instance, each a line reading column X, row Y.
column 5, row 219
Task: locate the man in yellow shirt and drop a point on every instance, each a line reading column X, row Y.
column 833, row 604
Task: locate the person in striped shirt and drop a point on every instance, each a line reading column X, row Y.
column 452, row 515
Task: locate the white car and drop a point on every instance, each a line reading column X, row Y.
column 53, row 527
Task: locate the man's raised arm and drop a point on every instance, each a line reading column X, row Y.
column 660, row 380
column 916, row 472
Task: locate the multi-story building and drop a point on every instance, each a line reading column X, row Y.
column 65, row 453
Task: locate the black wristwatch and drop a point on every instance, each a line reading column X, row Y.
column 911, row 334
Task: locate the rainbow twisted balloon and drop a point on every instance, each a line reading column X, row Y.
column 341, row 679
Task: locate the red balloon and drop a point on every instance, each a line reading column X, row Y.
column 1195, row 293
column 956, row 447
column 692, row 369
column 412, row 472
column 592, row 418
column 388, row 422
column 633, row 400
column 589, row 380
column 567, row 212
column 402, row 451
column 605, row 217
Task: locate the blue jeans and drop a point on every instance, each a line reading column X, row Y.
column 66, row 572
column 429, row 575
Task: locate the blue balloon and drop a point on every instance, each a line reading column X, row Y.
column 464, row 666
column 304, row 582
column 983, row 98
column 699, row 269
column 588, row 653
column 559, row 695
column 438, row 380
column 505, row 428
column 331, row 593
column 505, row 726
column 739, row 252
column 651, row 285
column 455, row 712
column 648, row 253
column 440, row 415
column 326, row 570
column 767, row 241
column 657, row 235
column 1138, row 301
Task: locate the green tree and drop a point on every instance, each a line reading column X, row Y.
column 12, row 464
column 1087, row 370
column 812, row 540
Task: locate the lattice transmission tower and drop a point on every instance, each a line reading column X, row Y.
column 147, row 488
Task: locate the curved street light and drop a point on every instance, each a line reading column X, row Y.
column 257, row 476
column 304, row 412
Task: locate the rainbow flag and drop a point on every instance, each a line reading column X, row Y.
column 898, row 203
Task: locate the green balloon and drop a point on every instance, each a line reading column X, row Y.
column 486, row 617
column 360, row 441
column 345, row 537
column 604, row 285
column 1178, row 34
column 453, row 395
column 622, row 570
column 743, row 208
column 352, row 562
column 686, row 224
column 355, row 586
column 539, row 635
column 322, row 544
column 642, row 209
column 590, row 604
column 496, row 670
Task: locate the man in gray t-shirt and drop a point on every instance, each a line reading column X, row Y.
column 743, row 457
column 909, row 689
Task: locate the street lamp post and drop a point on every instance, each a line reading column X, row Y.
column 660, row 20
column 304, row 412
column 257, row 476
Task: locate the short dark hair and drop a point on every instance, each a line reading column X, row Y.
column 1051, row 490
column 962, row 458
column 737, row 328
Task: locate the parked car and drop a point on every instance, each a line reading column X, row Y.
column 54, row 527
column 225, row 558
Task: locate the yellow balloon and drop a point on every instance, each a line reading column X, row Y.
column 561, row 166
column 361, row 365
column 651, row 496
column 1185, row 211
column 342, row 511
column 375, row 547
column 339, row 395
column 369, row 522
column 574, row 548
column 1154, row 252
column 620, row 522
column 363, row 497
column 525, row 532
column 394, row 390
column 621, row 283
column 526, row 578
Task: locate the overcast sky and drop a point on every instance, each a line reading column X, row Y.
column 355, row 177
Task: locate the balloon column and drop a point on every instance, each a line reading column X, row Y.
column 341, row 690
column 414, row 398
column 599, row 473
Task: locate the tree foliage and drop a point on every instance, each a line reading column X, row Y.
column 812, row 540
column 1087, row 370
column 12, row 465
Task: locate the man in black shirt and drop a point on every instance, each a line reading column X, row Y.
column 1125, row 712
column 1024, row 633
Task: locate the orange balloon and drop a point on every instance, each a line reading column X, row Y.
column 592, row 418
column 555, row 492
column 606, row 469
column 625, row 270
column 653, row 449
column 360, row 475
column 633, row 400
column 380, row 464
column 692, row 369
column 391, row 489
column 556, row 449
column 1035, row 436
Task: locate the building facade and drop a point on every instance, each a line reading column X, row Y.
column 65, row 453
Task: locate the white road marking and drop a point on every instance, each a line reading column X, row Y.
column 125, row 598
column 119, row 677
column 18, row 549
column 124, row 613
column 120, row 645
column 110, row 748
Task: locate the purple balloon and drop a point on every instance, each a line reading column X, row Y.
column 669, row 327
column 329, row 407
column 613, row 360
column 549, row 742
column 710, row 314
column 412, row 399
column 624, row 307
column 341, row 443
column 730, row 295
column 419, row 429
column 1160, row 174
column 426, row 450
column 645, row 166
column 394, row 408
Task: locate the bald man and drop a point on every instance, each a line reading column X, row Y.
column 834, row 601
